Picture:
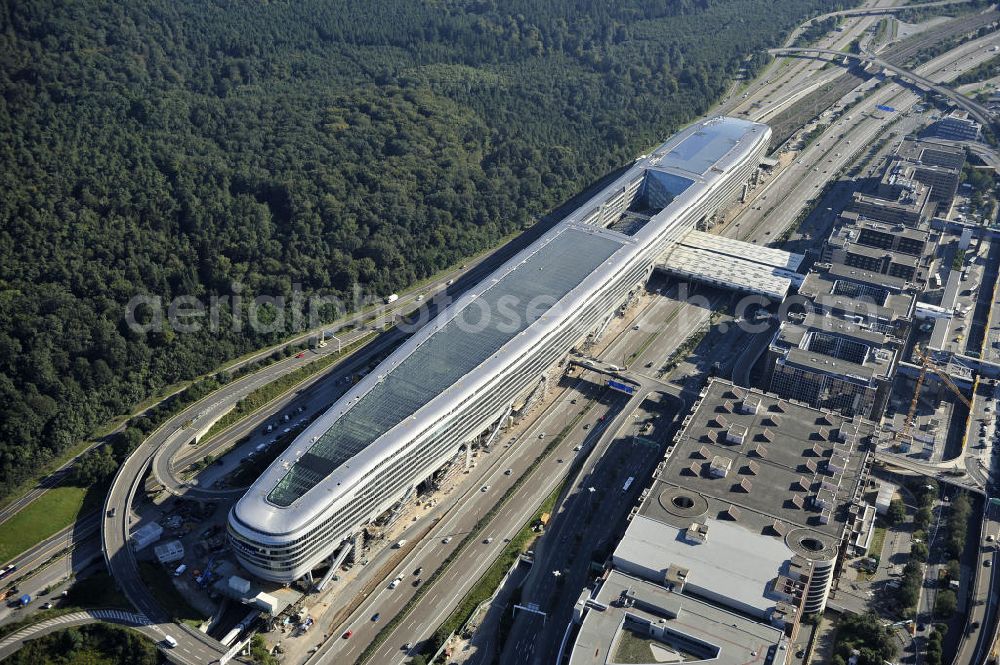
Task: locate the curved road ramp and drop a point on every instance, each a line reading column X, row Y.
column 16, row 640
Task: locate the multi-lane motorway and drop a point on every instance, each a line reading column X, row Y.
column 800, row 183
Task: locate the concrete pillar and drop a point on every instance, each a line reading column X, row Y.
column 359, row 543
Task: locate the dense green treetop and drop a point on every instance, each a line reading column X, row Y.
column 170, row 148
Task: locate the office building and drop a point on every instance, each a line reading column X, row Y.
column 832, row 363
column 936, row 165
column 956, row 126
column 888, row 249
column 477, row 360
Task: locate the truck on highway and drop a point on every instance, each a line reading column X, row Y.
column 391, row 298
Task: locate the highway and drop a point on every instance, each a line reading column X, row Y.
column 413, row 630
column 472, row 503
column 170, row 440
column 978, row 111
column 978, row 641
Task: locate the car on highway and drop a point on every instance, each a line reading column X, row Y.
column 169, row 641
column 508, row 472
column 47, row 606
column 417, row 581
column 407, row 646
column 300, row 355
column 559, row 460
column 376, row 616
column 541, row 435
column 586, row 426
column 446, row 540
column 988, row 563
column 576, row 449
column 419, row 570
column 487, row 541
column 347, row 634
column 484, row 488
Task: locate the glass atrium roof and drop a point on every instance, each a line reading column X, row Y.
column 458, row 347
column 703, row 148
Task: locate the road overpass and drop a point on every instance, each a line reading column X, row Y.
column 976, row 110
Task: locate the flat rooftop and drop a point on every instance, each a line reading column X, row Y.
column 854, row 223
column 844, row 272
column 782, row 449
column 700, row 631
column 848, row 298
column 877, row 253
column 830, row 344
column 770, row 481
column 929, row 154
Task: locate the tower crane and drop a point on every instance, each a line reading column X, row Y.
column 926, row 362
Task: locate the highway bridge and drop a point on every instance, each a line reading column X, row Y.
column 976, row 110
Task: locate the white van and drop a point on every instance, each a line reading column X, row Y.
column 169, row 641
column 399, row 543
column 180, row 570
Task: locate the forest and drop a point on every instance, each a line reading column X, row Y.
column 184, row 147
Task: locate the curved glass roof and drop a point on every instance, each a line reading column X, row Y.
column 479, row 330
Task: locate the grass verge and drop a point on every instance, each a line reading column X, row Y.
column 490, row 580
column 50, row 513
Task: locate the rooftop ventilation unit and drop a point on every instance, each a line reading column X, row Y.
column 696, row 533
column 720, row 466
column 736, row 433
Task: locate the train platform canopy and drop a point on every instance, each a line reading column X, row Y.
column 733, row 264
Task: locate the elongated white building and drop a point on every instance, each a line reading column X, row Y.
column 462, row 371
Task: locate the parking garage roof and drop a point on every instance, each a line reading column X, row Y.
column 783, row 443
